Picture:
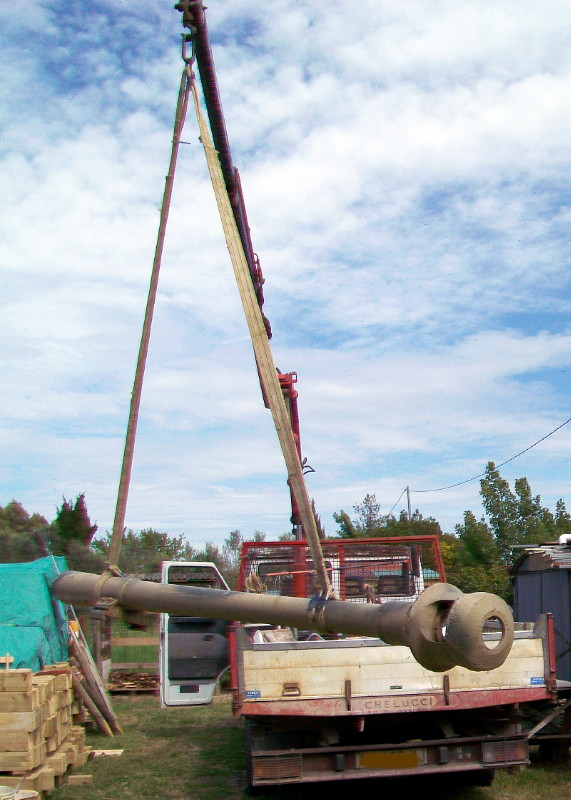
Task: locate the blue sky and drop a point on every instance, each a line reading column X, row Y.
column 406, row 174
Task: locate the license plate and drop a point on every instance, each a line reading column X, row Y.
column 392, row 759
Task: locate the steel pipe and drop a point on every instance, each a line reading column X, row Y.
column 443, row 627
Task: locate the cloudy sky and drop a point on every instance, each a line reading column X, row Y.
column 406, row 173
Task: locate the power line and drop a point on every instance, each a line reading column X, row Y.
column 481, row 475
column 396, row 504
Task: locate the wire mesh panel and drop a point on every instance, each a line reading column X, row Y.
column 135, row 649
column 362, row 570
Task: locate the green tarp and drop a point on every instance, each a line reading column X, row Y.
column 33, row 624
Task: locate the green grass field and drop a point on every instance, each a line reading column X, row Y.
column 198, row 754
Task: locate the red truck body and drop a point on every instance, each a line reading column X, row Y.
column 321, row 708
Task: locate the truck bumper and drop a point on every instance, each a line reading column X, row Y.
column 457, row 756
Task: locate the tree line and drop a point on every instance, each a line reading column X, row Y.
column 480, row 552
column 25, row 537
column 477, row 555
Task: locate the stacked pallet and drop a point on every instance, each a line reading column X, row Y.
column 38, row 737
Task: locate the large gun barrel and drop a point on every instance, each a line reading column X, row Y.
column 443, row 628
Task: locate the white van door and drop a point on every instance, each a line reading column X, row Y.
column 193, row 650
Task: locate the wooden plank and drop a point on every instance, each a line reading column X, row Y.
column 61, row 678
column 58, row 762
column 100, row 720
column 51, row 706
column 81, row 757
column 49, row 727
column 65, row 698
column 95, row 685
column 77, row 733
column 21, row 720
column 62, row 732
column 45, row 685
column 41, row 779
column 15, row 680
column 19, row 701
column 23, row 741
column 23, row 760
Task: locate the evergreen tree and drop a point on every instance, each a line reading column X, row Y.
column 562, row 519
column 346, row 528
column 517, row 518
column 73, row 525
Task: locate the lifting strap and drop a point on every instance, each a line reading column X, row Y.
column 263, row 354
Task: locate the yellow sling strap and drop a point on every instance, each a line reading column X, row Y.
column 262, row 351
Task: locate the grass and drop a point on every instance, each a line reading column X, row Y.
column 169, row 753
column 198, row 754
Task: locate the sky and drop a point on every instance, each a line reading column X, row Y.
column 405, row 168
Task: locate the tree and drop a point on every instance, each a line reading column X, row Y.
column 417, row 525
column 479, row 546
column 517, row 518
column 318, row 523
column 143, row 552
column 562, row 519
column 231, row 550
column 71, row 534
column 501, row 507
column 22, row 537
column 369, row 522
column 228, row 559
column 369, row 515
column 472, row 559
column 347, row 529
column 72, row 524
column 25, row 537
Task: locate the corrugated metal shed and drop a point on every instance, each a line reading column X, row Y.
column 542, row 584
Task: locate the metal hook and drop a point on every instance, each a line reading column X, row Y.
column 186, row 38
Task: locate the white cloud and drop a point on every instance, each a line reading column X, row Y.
column 405, row 171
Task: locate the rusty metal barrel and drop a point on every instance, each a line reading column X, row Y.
column 443, row 627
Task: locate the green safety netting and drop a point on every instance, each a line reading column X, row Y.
column 33, row 623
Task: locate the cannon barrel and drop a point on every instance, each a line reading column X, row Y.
column 443, row 627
